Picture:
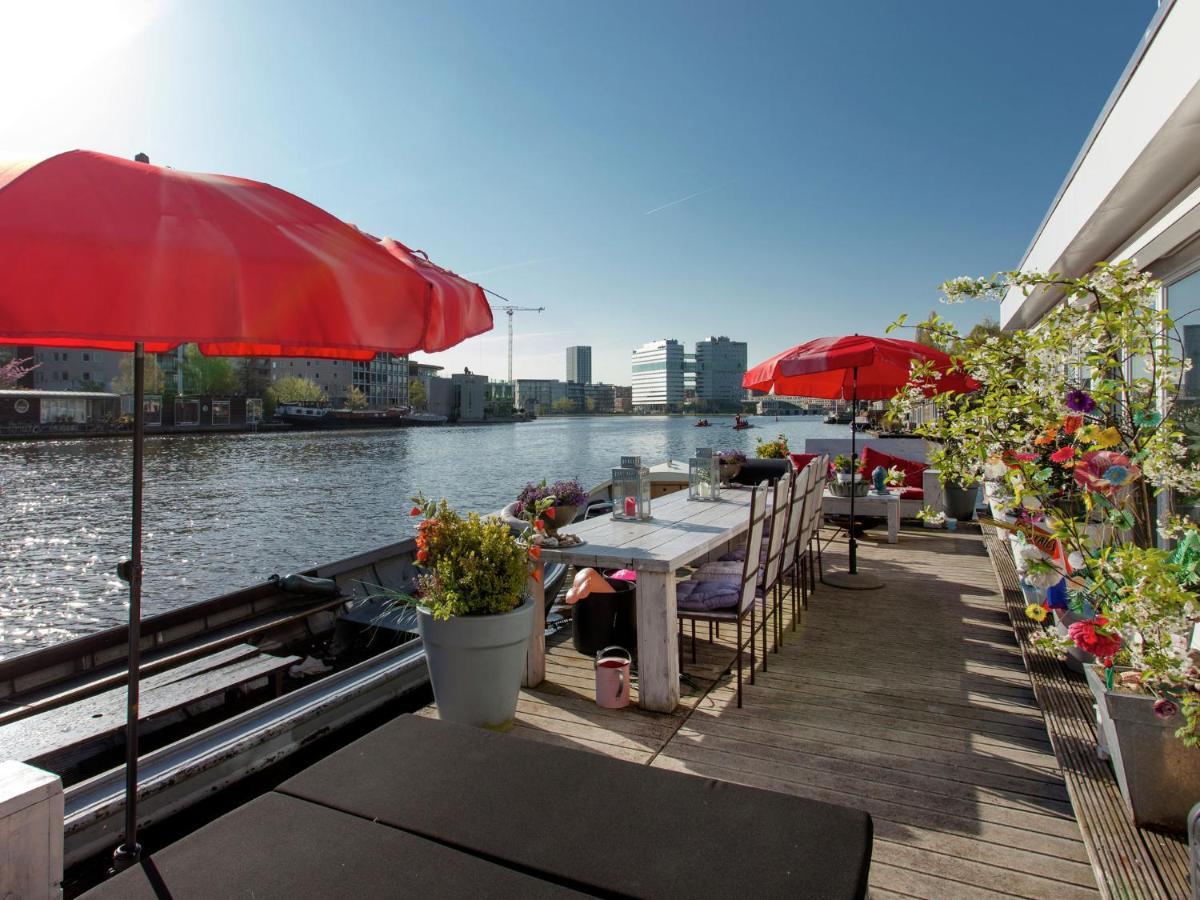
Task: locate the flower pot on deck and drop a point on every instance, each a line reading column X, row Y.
column 960, row 501
column 605, row 620
column 1159, row 777
column 476, row 663
column 1077, row 658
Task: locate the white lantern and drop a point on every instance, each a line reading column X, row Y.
column 704, row 475
column 631, row 490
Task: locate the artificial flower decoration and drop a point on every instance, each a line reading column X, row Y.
column 1036, row 611
column 1080, row 401
column 1063, row 455
column 1047, row 436
column 1094, row 469
column 1109, row 437
column 994, row 469
column 1071, row 424
column 1089, row 637
column 1143, row 419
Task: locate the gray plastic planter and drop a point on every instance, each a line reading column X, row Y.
column 960, row 501
column 1159, row 777
column 476, row 663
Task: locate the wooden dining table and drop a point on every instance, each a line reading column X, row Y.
column 680, row 532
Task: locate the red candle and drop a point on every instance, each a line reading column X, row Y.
column 630, row 507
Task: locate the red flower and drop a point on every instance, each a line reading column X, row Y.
column 422, row 555
column 1063, row 455
column 536, row 575
column 415, row 511
column 1087, row 637
column 549, row 513
column 535, row 551
column 1072, row 424
column 539, row 525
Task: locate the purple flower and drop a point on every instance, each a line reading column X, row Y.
column 1165, row 709
column 565, row 493
column 732, row 456
column 1080, row 401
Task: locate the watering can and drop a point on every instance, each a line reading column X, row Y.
column 612, row 677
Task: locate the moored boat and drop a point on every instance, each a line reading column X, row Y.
column 302, row 415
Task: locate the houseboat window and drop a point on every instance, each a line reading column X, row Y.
column 1183, row 302
column 153, row 409
column 220, row 412
column 253, row 410
column 187, row 412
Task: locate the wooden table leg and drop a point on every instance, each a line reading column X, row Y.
column 535, row 653
column 658, row 642
column 893, row 520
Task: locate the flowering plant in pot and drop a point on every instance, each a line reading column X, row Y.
column 555, row 505
column 473, row 612
column 847, row 478
column 776, row 449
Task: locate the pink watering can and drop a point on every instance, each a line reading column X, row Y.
column 612, row 677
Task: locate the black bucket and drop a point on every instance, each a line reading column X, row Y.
column 604, row 620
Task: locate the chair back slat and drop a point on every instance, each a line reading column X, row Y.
column 779, row 513
column 800, row 482
column 816, row 494
column 758, row 506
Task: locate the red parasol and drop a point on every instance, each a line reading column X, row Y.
column 855, row 367
column 101, row 252
column 827, row 367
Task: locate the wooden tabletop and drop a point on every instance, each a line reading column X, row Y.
column 680, row 531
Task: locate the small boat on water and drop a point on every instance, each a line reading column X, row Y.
column 703, row 423
column 229, row 687
column 303, row 415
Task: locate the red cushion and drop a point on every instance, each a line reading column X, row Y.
column 912, row 470
column 800, row 460
column 912, row 493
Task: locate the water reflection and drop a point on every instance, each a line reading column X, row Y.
column 225, row 511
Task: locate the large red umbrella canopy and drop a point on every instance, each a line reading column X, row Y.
column 97, row 251
column 457, row 306
column 840, row 368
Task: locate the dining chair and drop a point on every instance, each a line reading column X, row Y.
column 727, row 600
column 793, row 551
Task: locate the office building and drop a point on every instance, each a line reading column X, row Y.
column 720, row 365
column 538, row 395
column 579, row 365
column 59, row 369
column 658, row 375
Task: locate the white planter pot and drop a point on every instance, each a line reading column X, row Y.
column 1159, row 777
column 476, row 663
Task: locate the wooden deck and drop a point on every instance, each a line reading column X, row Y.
column 911, row 702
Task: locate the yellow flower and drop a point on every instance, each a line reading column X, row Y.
column 1087, row 434
column 1109, row 437
column 1036, row 611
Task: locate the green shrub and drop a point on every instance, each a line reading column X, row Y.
column 472, row 565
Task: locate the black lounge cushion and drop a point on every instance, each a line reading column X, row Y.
column 592, row 822
column 756, row 471
column 284, row 848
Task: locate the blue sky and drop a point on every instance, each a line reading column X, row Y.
column 773, row 172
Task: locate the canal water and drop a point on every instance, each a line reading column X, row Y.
column 225, row 511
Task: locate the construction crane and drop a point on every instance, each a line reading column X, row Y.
column 509, row 309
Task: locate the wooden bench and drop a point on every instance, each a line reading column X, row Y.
column 54, row 732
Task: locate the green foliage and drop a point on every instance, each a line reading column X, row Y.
column 842, row 463
column 212, row 376
column 152, row 375
column 776, row 449
column 563, row 405
column 294, row 389
column 418, row 399
column 472, row 565
column 355, row 398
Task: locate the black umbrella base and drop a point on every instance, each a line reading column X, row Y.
column 852, row 581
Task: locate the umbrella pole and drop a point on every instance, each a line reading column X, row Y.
column 131, row 570
column 853, row 579
column 853, row 469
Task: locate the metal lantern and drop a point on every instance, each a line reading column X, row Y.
column 631, row 490
column 704, row 475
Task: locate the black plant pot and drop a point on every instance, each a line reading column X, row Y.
column 960, row 501
column 606, row 620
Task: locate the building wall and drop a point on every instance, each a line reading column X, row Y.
column 720, row 365
column 622, row 398
column 468, row 392
column 71, row 369
column 658, row 374
column 440, row 396
column 537, row 395
column 579, row 365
